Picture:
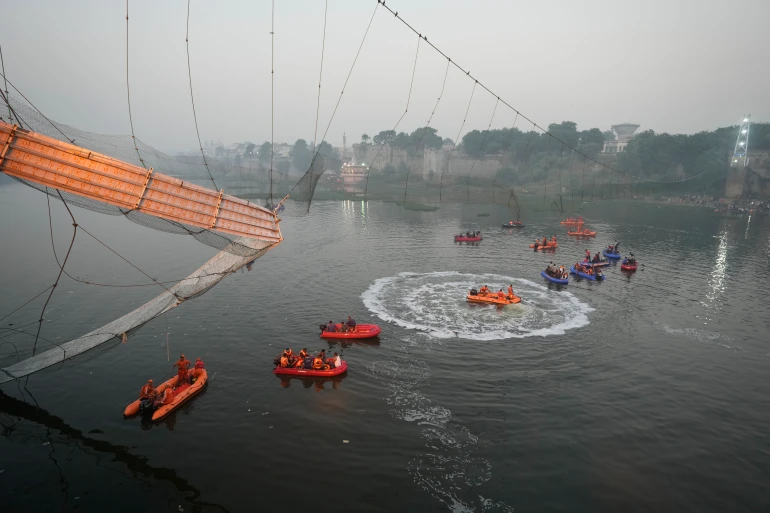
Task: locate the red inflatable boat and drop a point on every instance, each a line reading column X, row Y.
column 467, row 239
column 292, row 371
column 362, row 331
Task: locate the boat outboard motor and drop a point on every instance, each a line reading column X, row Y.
column 146, row 407
column 474, row 292
column 323, row 327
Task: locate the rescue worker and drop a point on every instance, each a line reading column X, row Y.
column 318, row 363
column 183, row 364
column 303, row 354
column 289, row 354
column 331, row 328
column 545, row 241
column 483, row 291
column 284, row 362
column 322, row 354
column 510, row 291
column 198, row 369
column 166, row 397
column 351, row 324
column 588, row 255
column 500, row 295
column 148, row 391
column 333, row 361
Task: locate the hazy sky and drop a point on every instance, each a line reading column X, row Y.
column 673, row 65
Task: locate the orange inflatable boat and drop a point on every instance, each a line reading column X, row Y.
column 492, row 299
column 133, row 408
column 550, row 245
column 180, row 395
column 572, row 220
column 582, row 233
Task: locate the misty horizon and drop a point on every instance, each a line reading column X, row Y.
column 668, row 68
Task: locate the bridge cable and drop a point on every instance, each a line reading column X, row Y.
column 192, row 98
column 422, row 135
column 128, row 97
column 406, row 109
column 339, row 100
column 481, row 150
column 454, row 146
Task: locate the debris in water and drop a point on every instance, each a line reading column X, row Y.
column 345, row 441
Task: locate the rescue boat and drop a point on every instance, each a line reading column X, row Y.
column 463, row 238
column 492, row 299
column 613, row 256
column 182, row 394
column 550, row 245
column 509, row 225
column 582, row 233
column 133, row 408
column 571, row 220
column 560, row 281
column 294, row 371
column 592, row 277
column 362, row 331
column 625, row 266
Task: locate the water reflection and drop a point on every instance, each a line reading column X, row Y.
column 717, row 278
column 61, row 434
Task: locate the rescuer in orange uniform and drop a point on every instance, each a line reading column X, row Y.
column 183, row 364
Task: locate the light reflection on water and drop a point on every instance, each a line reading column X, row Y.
column 717, row 279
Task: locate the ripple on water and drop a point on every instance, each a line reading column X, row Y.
column 435, row 303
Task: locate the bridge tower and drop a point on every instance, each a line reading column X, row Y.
column 740, row 158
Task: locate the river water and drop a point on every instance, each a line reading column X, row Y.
column 646, row 392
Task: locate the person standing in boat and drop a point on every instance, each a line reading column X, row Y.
column 183, row 364
column 351, row 324
column 510, row 291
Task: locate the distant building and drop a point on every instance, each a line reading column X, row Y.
column 353, row 176
column 624, row 132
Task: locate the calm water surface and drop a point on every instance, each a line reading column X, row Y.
column 647, row 392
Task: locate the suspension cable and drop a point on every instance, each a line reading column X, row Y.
column 393, row 132
column 454, row 146
column 128, row 97
column 422, row 135
column 192, row 98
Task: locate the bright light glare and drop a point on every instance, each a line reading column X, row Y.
column 743, row 131
column 741, row 143
column 745, row 119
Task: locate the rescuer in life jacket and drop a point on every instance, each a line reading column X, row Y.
column 510, row 291
column 165, row 397
column 500, row 295
column 197, row 369
column 183, row 364
column 148, row 391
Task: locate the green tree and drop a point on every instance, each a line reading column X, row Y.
column 264, row 152
column 248, row 151
column 383, row 137
column 301, row 155
column 365, row 139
